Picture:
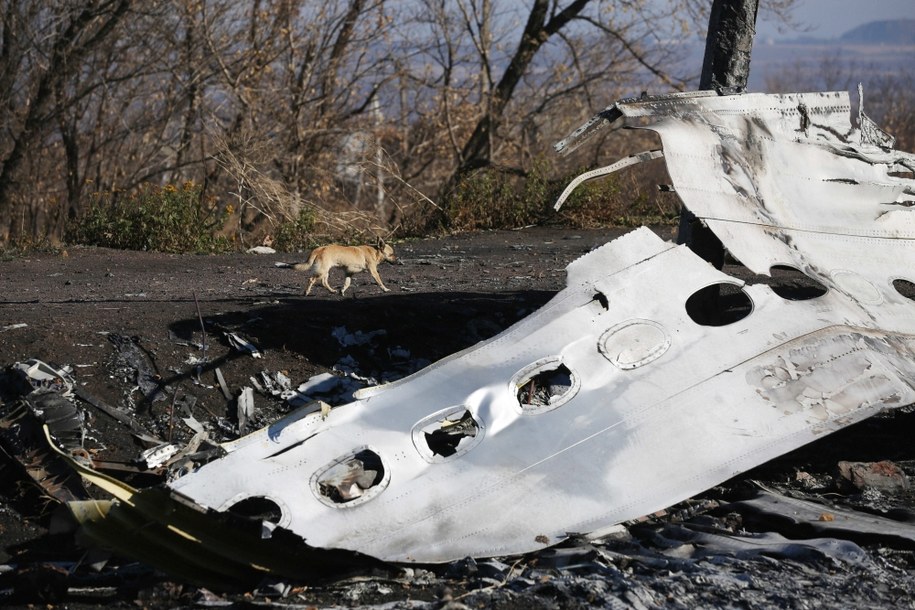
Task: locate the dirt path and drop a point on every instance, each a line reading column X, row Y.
column 72, row 308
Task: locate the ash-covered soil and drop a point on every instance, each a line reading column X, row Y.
column 144, row 335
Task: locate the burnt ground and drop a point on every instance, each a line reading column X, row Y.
column 144, row 335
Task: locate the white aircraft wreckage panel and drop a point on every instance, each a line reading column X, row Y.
column 611, row 402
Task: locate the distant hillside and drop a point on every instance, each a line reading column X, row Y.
column 901, row 32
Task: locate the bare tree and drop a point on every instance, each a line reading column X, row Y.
column 306, row 80
column 495, row 51
column 43, row 47
column 331, row 101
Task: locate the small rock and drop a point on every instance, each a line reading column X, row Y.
column 883, row 475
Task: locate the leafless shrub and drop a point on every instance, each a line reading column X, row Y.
column 264, row 203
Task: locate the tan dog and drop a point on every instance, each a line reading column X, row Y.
column 352, row 258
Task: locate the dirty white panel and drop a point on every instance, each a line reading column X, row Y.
column 772, row 168
column 612, row 402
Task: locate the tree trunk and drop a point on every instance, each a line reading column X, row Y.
column 731, row 29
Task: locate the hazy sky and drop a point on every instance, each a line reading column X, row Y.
column 832, row 18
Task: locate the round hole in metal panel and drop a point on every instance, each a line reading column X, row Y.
column 353, row 479
column 905, row 288
column 447, row 434
column 258, row 507
column 793, row 284
column 719, row 305
column 634, row 343
column 544, row 385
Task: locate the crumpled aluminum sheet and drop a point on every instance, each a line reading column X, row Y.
column 650, row 407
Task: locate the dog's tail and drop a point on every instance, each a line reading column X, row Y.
column 294, row 266
column 300, row 266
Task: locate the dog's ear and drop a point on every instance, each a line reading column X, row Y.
column 379, row 243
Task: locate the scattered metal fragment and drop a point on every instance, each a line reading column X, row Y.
column 242, row 345
column 43, row 376
column 245, row 409
column 281, row 381
column 185, row 404
column 154, row 457
column 203, row 329
column 198, row 449
column 24, row 412
column 257, row 386
column 275, row 383
column 335, row 389
column 131, row 356
column 194, row 360
column 64, row 419
column 194, row 425
column 792, row 515
column 322, row 383
column 696, row 541
column 119, row 414
column 222, row 384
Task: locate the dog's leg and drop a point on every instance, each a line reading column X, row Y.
column 311, row 283
column 346, row 283
column 374, row 272
column 326, row 285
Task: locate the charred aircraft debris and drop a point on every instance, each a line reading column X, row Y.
column 615, row 400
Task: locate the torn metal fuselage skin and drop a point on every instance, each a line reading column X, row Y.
column 611, row 402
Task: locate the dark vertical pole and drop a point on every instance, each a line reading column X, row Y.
column 725, row 68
